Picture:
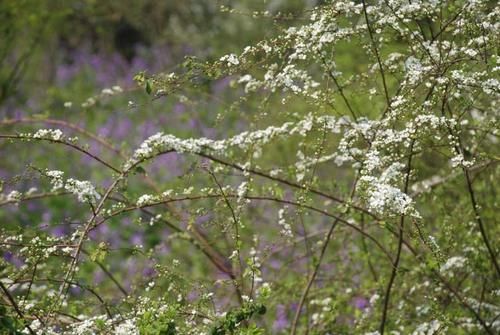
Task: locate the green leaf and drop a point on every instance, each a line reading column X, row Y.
column 139, row 170
column 148, row 87
column 140, row 77
column 100, row 253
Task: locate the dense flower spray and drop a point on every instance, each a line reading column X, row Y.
column 368, row 166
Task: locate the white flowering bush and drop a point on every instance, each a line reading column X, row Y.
column 347, row 184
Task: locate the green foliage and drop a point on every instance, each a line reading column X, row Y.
column 237, row 317
column 9, row 325
column 154, row 323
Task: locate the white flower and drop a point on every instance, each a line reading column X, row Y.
column 84, row 190
column 428, row 328
column 31, row 191
column 374, row 298
column 127, row 327
column 286, row 229
column 56, row 179
column 456, row 262
column 89, row 102
column 459, row 160
column 188, row 190
column 244, row 79
column 242, row 190
column 14, row 196
column 385, row 198
column 107, row 91
column 230, row 59
column 144, row 200
column 52, row 134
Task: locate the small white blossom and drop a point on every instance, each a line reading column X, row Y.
column 144, row 200
column 56, row 179
column 14, row 196
column 52, row 134
column 230, row 59
column 84, row 190
column 286, row 229
column 456, row 262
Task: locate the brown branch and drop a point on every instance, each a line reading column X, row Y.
column 376, row 52
column 71, row 145
column 398, row 252
column 65, row 124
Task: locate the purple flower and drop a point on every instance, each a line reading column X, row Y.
column 137, row 238
column 360, row 302
column 192, row 295
column 220, row 86
column 75, row 290
column 65, row 72
column 148, row 128
column 59, row 231
column 148, row 271
column 169, row 163
column 13, row 259
column 203, row 219
column 179, row 108
column 281, row 321
column 122, row 128
column 162, row 249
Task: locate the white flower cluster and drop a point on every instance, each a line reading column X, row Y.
column 459, row 161
column 300, row 166
column 452, row 263
column 415, row 70
column 84, row 190
column 56, row 179
column 326, row 306
column 51, row 134
column 429, row 328
column 286, row 229
column 230, row 60
column 148, row 199
column 241, row 193
column 128, row 327
column 386, row 199
column 310, row 39
column 112, row 91
column 89, row 325
column 291, row 79
column 161, row 142
column 145, row 199
column 13, row 196
column 91, row 101
column 383, row 196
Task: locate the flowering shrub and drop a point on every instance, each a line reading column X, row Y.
column 347, row 184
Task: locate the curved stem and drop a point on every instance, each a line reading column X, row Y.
column 311, row 279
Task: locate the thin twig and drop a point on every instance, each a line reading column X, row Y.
column 398, row 252
column 15, row 306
